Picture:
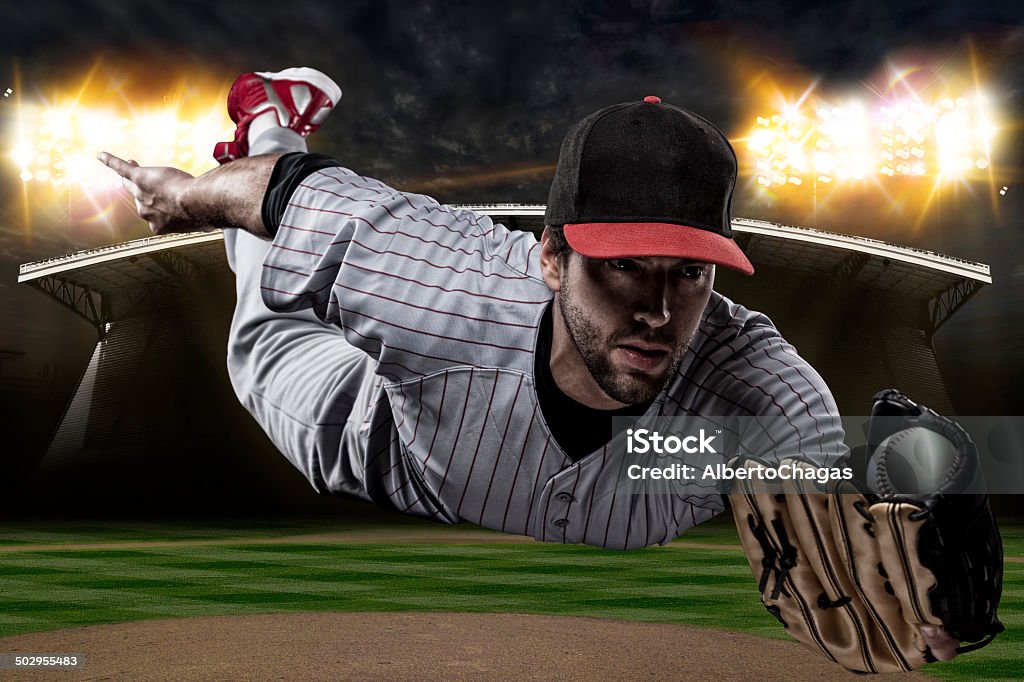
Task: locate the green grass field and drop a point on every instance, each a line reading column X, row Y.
column 181, row 572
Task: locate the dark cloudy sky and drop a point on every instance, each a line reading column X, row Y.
column 440, row 94
column 433, row 86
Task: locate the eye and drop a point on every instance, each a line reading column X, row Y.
column 692, row 271
column 623, row 264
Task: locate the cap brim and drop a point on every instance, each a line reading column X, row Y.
column 665, row 240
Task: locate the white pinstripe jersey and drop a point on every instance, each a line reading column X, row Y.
column 449, row 305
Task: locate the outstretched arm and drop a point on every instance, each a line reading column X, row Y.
column 171, row 200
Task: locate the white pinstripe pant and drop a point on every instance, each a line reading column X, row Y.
column 303, row 383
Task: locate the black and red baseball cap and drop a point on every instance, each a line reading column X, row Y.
column 647, row 179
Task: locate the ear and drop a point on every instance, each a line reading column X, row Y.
column 550, row 263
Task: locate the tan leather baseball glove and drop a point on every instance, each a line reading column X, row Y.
column 867, row 573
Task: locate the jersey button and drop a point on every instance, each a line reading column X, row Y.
column 565, row 497
column 560, row 523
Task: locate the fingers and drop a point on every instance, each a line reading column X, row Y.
column 123, row 168
column 943, row 646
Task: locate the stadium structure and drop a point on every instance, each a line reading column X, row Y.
column 154, row 407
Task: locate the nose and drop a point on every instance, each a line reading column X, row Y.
column 653, row 308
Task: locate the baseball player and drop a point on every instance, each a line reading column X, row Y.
column 424, row 358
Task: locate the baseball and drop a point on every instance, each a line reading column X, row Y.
column 912, row 461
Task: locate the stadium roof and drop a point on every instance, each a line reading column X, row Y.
column 118, row 275
column 120, row 264
column 810, row 250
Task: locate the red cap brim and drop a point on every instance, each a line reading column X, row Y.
column 664, row 240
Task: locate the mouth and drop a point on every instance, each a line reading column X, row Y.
column 645, row 357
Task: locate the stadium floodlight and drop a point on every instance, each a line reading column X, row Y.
column 21, row 154
column 51, row 141
column 68, row 141
column 780, row 146
column 964, row 135
column 56, row 146
column 821, row 143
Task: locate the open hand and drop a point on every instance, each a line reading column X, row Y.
column 158, row 192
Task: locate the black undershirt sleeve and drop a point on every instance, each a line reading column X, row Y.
column 289, row 171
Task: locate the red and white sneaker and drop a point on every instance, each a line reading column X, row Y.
column 301, row 98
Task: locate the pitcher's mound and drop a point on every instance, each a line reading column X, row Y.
column 417, row 646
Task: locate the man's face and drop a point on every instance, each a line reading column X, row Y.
column 630, row 321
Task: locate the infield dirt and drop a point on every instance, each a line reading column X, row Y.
column 416, row 646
